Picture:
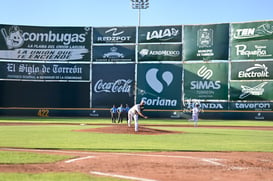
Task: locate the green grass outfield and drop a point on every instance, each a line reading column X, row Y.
column 63, row 137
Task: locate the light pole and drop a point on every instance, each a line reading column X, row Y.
column 140, row 4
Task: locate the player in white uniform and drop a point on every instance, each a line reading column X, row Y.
column 195, row 113
column 133, row 114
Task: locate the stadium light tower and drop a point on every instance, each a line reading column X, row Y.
column 140, row 4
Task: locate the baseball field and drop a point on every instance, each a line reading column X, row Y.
column 81, row 149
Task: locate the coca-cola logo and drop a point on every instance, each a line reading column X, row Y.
column 118, row 86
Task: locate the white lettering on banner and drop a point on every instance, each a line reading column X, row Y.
column 72, row 70
column 259, row 52
column 118, row 86
column 114, row 36
column 246, row 33
column 159, row 102
column 165, row 34
column 250, row 73
column 65, row 38
column 211, row 106
column 252, row 106
column 205, row 85
column 165, row 53
column 171, row 53
column 243, row 74
column 30, row 69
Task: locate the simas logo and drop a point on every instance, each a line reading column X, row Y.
column 257, row 71
column 256, row 91
column 146, row 52
column 163, row 34
column 205, row 74
column 118, row 86
column 15, row 37
column 248, row 33
column 159, row 86
column 114, row 35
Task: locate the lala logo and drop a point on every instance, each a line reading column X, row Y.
column 154, row 83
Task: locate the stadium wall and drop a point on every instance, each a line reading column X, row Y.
column 83, row 71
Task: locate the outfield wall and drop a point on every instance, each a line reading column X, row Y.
column 83, row 71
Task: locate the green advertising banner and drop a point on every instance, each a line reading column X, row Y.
column 251, row 90
column 160, row 52
column 252, row 40
column 160, row 34
column 252, row 70
column 206, row 42
column 206, row 81
column 160, row 85
column 253, row 50
column 262, row 30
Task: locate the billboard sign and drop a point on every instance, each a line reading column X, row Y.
column 45, row 43
column 44, row 71
column 206, row 81
column 159, row 34
column 113, row 53
column 250, row 31
column 254, row 50
column 112, row 84
column 159, row 85
column 160, row 52
column 114, row 35
column 251, row 70
column 251, row 90
column 251, row 106
column 206, row 42
column 252, row 40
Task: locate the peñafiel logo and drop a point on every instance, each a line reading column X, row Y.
column 256, row 91
column 154, row 83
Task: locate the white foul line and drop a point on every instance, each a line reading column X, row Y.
column 120, row 176
column 208, row 160
column 77, row 159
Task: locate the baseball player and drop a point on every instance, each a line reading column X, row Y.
column 195, row 113
column 133, row 114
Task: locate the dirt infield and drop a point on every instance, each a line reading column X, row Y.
column 151, row 166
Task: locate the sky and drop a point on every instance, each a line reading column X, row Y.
column 104, row 13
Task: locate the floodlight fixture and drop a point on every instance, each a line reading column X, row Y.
column 140, row 4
